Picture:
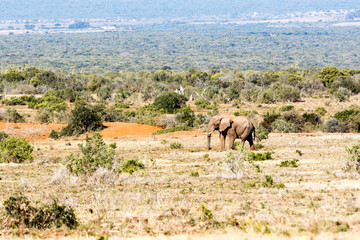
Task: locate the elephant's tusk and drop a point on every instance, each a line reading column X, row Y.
column 209, row 133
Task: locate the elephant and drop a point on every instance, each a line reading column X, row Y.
column 234, row 127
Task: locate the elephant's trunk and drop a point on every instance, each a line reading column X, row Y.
column 208, row 140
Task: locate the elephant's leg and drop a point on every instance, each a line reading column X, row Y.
column 242, row 142
column 250, row 140
column 231, row 142
column 222, row 141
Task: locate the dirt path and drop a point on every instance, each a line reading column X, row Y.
column 39, row 132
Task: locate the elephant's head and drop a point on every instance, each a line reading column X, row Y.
column 220, row 123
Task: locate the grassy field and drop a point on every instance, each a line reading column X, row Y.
column 190, row 192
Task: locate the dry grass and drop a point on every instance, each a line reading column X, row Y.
column 318, row 200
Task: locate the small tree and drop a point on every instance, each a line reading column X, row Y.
column 84, row 118
column 94, row 154
column 170, row 101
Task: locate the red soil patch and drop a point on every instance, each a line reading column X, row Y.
column 38, row 131
column 120, row 129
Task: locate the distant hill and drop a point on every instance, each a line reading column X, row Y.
column 61, row 9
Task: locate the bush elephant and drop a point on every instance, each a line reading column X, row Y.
column 234, row 127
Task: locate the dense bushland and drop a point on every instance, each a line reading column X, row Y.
column 85, row 101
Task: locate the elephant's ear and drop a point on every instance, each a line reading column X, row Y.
column 225, row 123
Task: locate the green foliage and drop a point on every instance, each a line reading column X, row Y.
column 350, row 118
column 321, row 111
column 194, row 174
column 12, row 115
column 259, row 156
column 94, row 154
column 329, row 74
column 3, row 135
column 170, row 102
column 207, row 214
column 176, row 145
column 185, row 116
column 243, row 112
column 13, row 101
column 289, row 163
column 84, row 118
column 269, row 118
column 299, row 152
column 131, row 166
column 20, row 211
column 312, row 118
column 268, row 181
column 203, row 103
column 169, row 130
column 15, row 150
column 280, row 125
column 285, row 108
column 262, row 133
column 334, row 125
column 353, row 159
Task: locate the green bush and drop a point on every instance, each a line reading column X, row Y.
column 321, row 111
column 289, row 163
column 312, row 118
column 84, row 118
column 349, row 118
column 185, row 116
column 170, row 102
column 131, row 166
column 202, row 103
column 269, row 118
column 333, row 126
column 286, row 108
column 20, row 211
column 353, row 160
column 15, row 150
column 12, row 115
column 13, row 101
column 94, row 154
column 3, row 135
column 259, row 156
column 176, row 145
column 243, row 112
column 329, row 74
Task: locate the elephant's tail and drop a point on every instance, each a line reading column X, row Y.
column 254, row 134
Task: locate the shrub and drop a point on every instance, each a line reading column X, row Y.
column 282, row 126
column 269, row 118
column 312, row 118
column 15, row 150
column 13, row 101
column 295, row 119
column 285, row 108
column 132, row 165
column 349, row 118
column 202, row 103
column 289, row 163
column 261, row 133
column 342, row 94
column 94, row 154
column 238, row 163
column 170, row 101
column 353, row 160
column 20, row 211
column 185, row 116
column 3, row 135
column 329, row 74
column 259, row 156
column 84, row 118
column 243, row 112
column 333, row 126
column 13, row 116
column 176, row 145
column 321, row 111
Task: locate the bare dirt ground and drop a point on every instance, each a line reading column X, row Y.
column 317, row 200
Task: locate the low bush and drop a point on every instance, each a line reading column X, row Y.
column 170, row 102
column 285, row 108
column 131, row 166
column 259, row 156
column 349, row 118
column 312, row 118
column 84, row 118
column 94, row 154
column 202, row 103
column 333, row 126
column 175, row 129
column 321, row 111
column 13, row 101
column 15, row 150
column 176, row 145
column 282, row 126
column 269, row 118
column 353, row 159
column 185, row 116
column 19, row 211
column 12, row 115
column 289, row 163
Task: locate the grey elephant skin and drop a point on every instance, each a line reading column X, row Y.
column 232, row 127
